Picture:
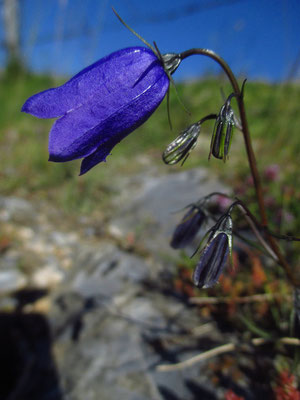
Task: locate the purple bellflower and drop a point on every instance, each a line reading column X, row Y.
column 188, row 227
column 214, row 255
column 102, row 104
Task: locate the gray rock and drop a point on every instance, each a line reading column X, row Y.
column 109, row 329
column 11, row 280
column 151, row 212
column 16, row 209
column 106, row 270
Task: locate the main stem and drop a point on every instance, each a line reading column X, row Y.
column 250, row 153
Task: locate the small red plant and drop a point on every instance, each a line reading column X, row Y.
column 230, row 395
column 285, row 388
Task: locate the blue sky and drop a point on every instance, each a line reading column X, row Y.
column 260, row 39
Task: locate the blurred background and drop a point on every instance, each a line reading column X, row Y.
column 257, row 39
column 60, row 234
column 48, row 42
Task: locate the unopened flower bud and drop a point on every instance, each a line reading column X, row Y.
column 221, row 140
column 214, row 255
column 188, row 227
column 181, row 147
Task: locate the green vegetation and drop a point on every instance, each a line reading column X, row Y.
column 274, row 121
column 273, row 117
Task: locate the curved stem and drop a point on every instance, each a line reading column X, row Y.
column 219, row 60
column 207, row 118
column 249, row 149
column 250, row 153
column 288, row 238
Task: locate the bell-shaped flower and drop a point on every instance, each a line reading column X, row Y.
column 214, row 256
column 181, row 147
column 188, row 227
column 102, row 104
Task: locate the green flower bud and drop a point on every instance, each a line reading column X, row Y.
column 222, row 136
column 181, row 147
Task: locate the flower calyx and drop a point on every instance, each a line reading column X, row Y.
column 171, row 62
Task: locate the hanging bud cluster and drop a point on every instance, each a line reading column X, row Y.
column 182, row 146
column 214, row 255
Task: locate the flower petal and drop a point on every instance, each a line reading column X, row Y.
column 80, row 132
column 98, row 156
column 99, row 79
column 212, row 261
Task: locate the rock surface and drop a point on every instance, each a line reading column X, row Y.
column 155, row 206
column 93, row 316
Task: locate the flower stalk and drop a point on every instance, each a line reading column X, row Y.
column 250, row 154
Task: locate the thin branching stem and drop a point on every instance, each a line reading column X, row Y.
column 239, row 97
column 288, row 238
column 250, row 154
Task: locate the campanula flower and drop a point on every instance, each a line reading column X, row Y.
column 214, row 255
column 188, row 227
column 103, row 103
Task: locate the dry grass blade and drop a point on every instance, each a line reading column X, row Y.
column 241, row 299
column 225, row 348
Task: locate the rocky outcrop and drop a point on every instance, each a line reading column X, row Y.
column 91, row 316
